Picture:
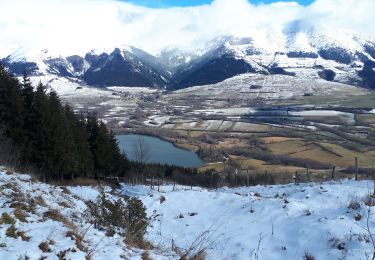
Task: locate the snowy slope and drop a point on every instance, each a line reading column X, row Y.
column 326, row 220
column 35, row 200
column 284, row 221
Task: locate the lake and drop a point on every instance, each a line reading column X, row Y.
column 160, row 151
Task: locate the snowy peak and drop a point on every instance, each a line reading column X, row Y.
column 296, row 49
column 129, row 67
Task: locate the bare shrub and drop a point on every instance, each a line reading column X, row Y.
column 369, row 200
column 307, row 212
column 62, row 254
column 128, row 214
column 308, row 256
column 354, row 204
column 337, row 243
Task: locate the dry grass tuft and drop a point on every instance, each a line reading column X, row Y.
column 13, row 187
column 81, row 181
column 40, row 201
column 146, row 256
column 44, row 246
column 20, row 215
column 62, row 254
column 9, row 172
column 54, row 214
column 77, row 238
column 64, row 204
column 11, row 232
column 136, row 243
column 7, row 219
column 199, row 256
column 20, row 205
column 65, row 190
column 23, row 236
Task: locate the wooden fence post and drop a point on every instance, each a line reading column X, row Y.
column 356, row 168
column 308, row 174
column 297, row 178
column 265, row 179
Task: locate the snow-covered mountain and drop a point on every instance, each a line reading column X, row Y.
column 340, row 56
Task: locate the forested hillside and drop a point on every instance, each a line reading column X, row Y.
column 40, row 134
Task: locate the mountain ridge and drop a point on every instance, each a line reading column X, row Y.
column 342, row 57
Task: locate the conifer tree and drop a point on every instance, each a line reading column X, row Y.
column 51, row 137
column 27, row 93
column 11, row 107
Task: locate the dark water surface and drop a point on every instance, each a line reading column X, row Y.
column 160, row 151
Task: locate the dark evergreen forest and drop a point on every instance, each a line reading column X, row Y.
column 39, row 133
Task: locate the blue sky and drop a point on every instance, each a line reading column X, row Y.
column 171, row 3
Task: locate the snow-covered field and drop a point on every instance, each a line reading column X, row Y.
column 274, row 222
column 270, row 87
column 133, row 89
column 349, row 117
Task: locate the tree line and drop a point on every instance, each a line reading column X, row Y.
column 38, row 132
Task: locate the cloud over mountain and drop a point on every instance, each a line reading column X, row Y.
column 72, row 26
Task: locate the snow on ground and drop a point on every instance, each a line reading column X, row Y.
column 69, row 88
column 284, row 221
column 35, row 199
column 372, row 111
column 274, row 222
column 326, row 113
column 157, row 120
column 270, row 87
column 234, row 111
column 133, row 89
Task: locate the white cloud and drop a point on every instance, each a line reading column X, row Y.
column 76, row 26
